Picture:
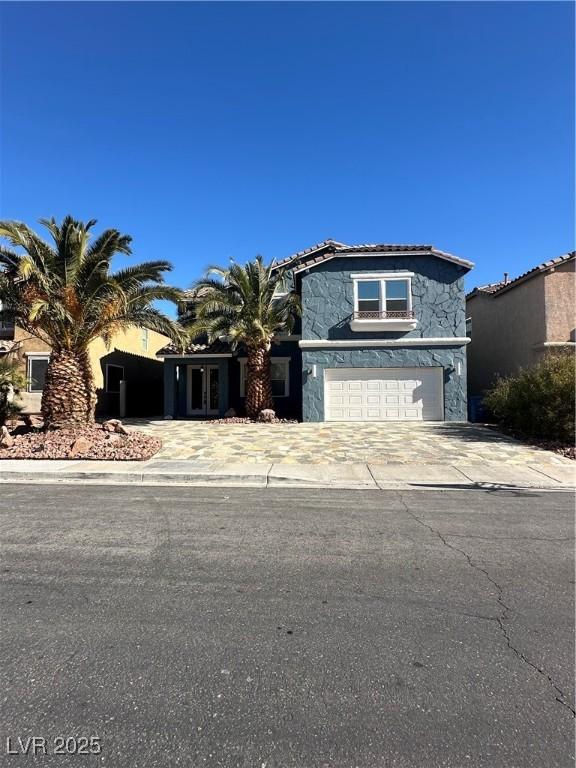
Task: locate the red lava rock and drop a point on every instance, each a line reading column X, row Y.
column 81, row 445
column 246, row 420
column 114, row 425
column 33, row 422
column 91, row 443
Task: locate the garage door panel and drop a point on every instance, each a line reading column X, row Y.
column 383, row 394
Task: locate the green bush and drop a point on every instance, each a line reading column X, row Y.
column 12, row 381
column 539, row 401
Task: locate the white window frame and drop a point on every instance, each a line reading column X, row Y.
column 382, row 278
column 30, row 356
column 144, row 339
column 286, row 360
column 113, row 365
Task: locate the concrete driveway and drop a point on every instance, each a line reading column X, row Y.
column 327, row 443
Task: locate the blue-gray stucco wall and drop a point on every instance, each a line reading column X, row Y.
column 385, row 357
column 437, row 297
column 175, row 383
column 439, row 306
column 285, row 407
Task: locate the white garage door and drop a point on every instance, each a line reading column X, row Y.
column 383, row 394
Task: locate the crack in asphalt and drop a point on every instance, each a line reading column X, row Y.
column 507, row 538
column 561, row 697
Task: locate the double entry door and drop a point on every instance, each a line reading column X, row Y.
column 203, row 390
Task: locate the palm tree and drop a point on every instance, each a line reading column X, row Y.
column 65, row 294
column 245, row 305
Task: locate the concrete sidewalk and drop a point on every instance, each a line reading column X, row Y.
column 364, row 476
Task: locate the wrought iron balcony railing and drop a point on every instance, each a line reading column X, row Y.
column 404, row 315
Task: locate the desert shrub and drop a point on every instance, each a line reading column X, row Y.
column 539, row 401
column 12, row 381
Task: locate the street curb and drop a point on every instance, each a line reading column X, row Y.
column 265, row 481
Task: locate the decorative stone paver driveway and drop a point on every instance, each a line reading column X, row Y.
column 327, row 443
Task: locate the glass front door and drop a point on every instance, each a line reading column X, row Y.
column 203, row 390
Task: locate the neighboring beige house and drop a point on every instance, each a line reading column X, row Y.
column 513, row 323
column 131, row 356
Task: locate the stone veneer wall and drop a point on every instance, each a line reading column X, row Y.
column 455, row 405
column 437, row 297
column 439, row 305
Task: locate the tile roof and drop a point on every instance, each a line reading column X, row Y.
column 329, row 243
column 490, row 287
column 329, row 248
column 544, row 267
column 496, row 289
column 195, row 293
column 200, row 349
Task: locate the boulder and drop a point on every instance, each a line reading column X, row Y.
column 114, row 425
column 6, row 439
column 230, row 413
column 80, row 445
column 110, row 425
column 267, row 415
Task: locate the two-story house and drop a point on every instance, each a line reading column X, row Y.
column 513, row 323
column 382, row 338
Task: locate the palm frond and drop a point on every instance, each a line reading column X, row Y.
column 67, row 295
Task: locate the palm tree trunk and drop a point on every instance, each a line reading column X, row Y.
column 259, row 386
column 68, row 397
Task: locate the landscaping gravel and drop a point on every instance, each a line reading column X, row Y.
column 246, row 420
column 82, row 443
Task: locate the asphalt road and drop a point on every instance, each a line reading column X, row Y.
column 271, row 629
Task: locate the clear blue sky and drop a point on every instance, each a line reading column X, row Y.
column 229, row 129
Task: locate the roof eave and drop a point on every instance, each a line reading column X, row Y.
column 342, row 253
column 541, row 269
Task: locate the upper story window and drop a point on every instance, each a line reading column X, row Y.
column 383, row 301
column 397, row 295
column 144, row 339
column 369, row 296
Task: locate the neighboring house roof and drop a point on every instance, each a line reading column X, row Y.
column 330, row 249
column 195, row 293
column 200, row 349
column 488, row 288
column 495, row 289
